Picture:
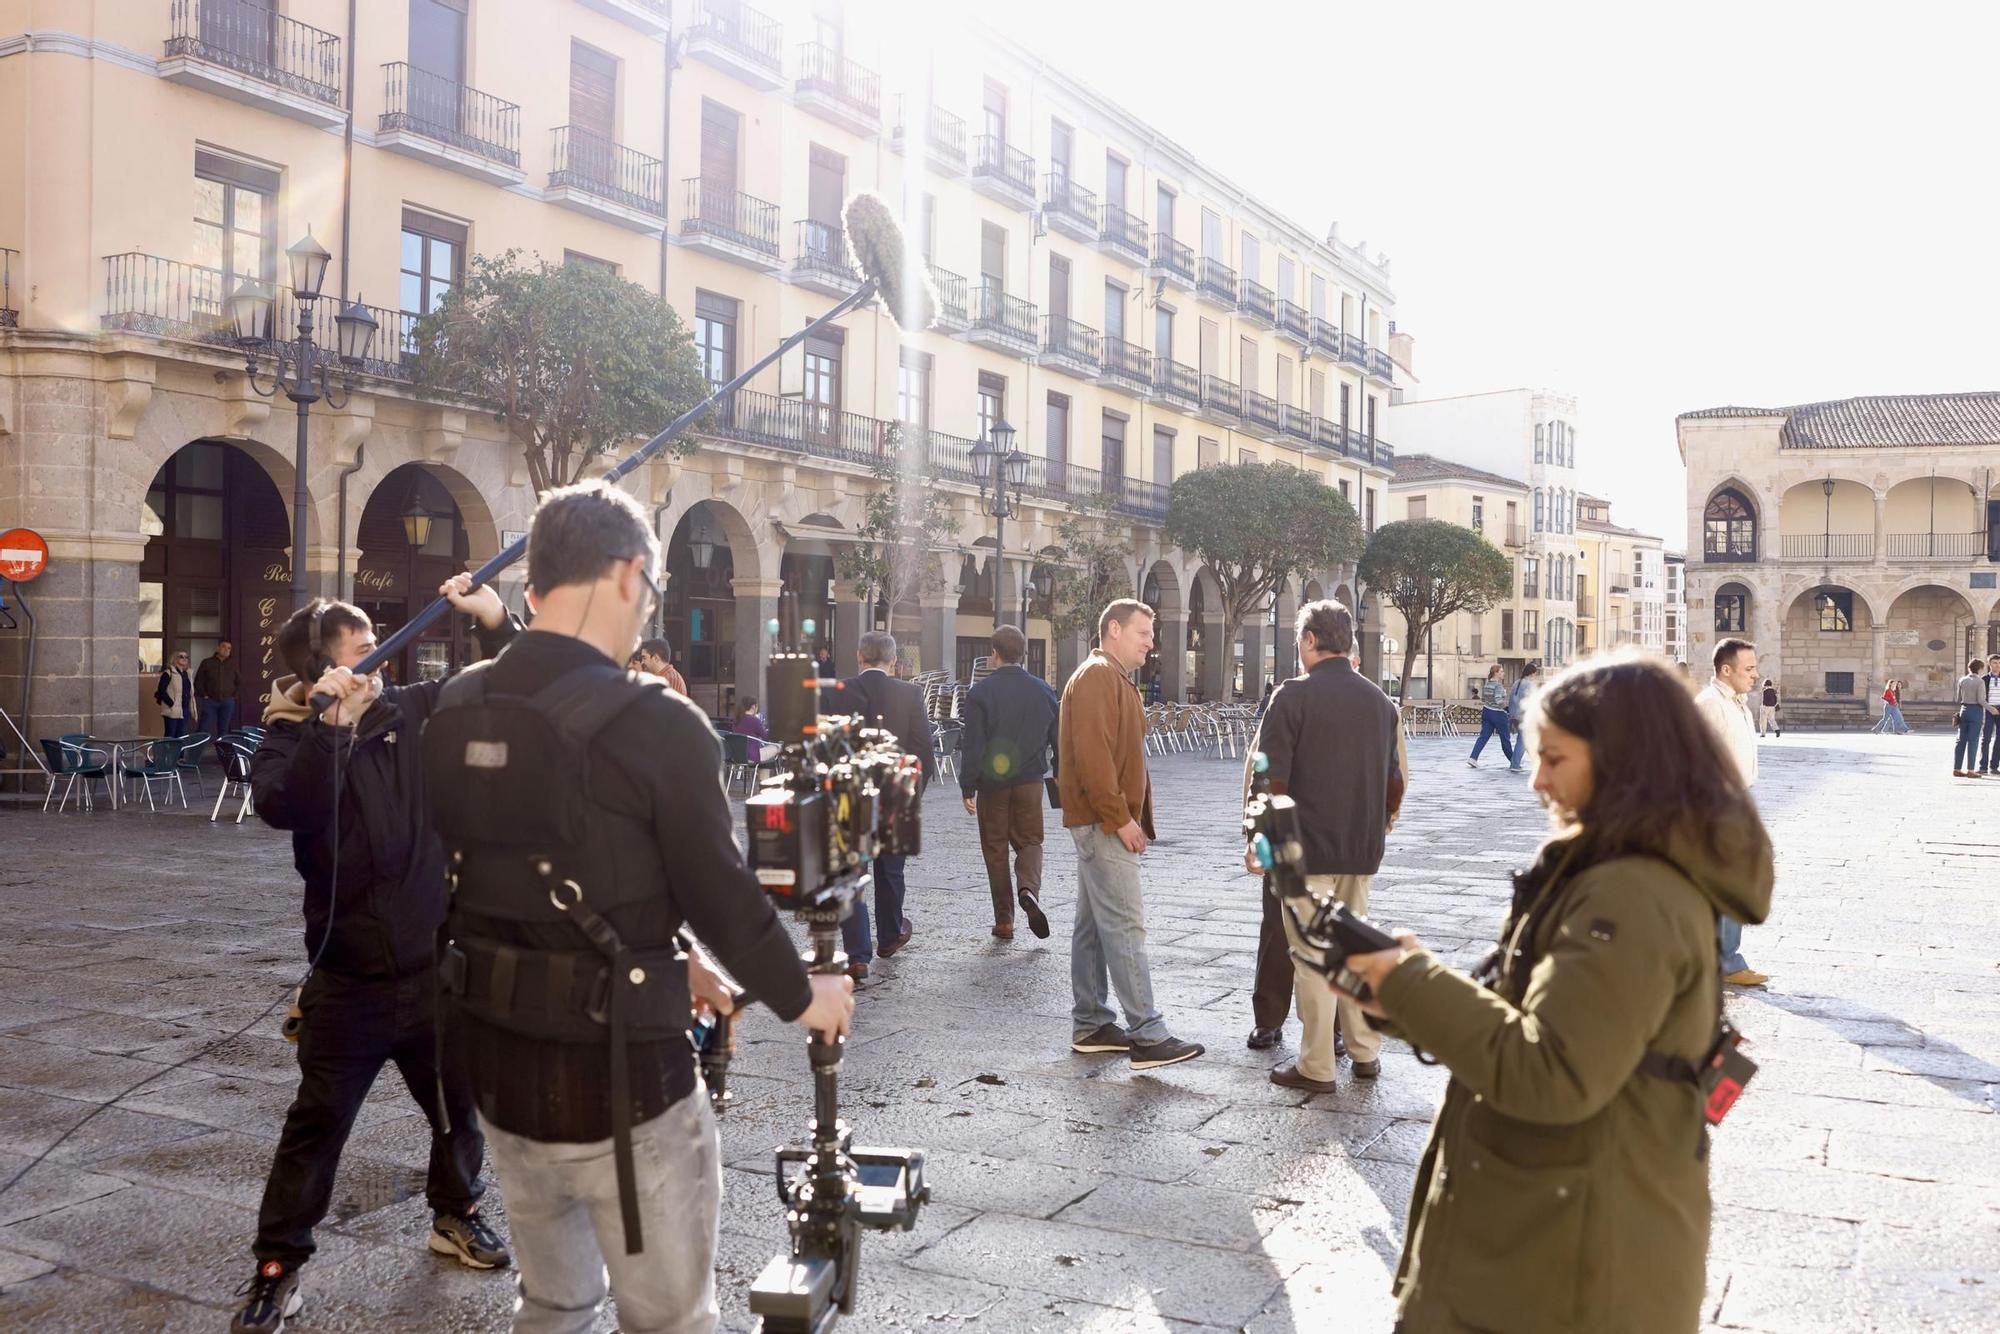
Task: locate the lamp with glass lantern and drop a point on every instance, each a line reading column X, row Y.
column 996, row 461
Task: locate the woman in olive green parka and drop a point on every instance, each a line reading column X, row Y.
column 1564, row 1190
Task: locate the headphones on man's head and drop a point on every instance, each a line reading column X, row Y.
column 315, row 644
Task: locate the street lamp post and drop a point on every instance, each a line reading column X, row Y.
column 310, row 377
column 997, row 447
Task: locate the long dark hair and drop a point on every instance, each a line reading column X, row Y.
column 1660, row 773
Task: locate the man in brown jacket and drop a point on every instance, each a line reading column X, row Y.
column 1107, row 802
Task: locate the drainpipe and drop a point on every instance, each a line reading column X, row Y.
column 340, row 579
column 672, row 46
column 347, row 191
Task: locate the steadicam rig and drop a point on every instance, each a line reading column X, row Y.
column 844, row 794
column 1271, row 822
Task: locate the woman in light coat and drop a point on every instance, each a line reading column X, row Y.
column 175, row 695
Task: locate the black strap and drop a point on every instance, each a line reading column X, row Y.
column 506, row 962
column 584, row 700
column 1678, row 1069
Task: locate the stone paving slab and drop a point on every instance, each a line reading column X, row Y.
column 1855, row 1186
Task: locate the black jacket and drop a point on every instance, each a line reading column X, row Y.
column 1331, row 739
column 895, row 705
column 385, row 908
column 1010, row 729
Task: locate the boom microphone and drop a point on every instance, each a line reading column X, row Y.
column 876, row 242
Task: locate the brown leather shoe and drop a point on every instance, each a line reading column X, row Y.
column 902, row 939
column 1003, row 930
column 1288, row 1076
column 858, row 971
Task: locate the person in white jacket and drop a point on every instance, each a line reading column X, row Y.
column 1725, row 702
column 175, row 695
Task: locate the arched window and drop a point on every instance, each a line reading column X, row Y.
column 1729, row 527
column 1539, row 502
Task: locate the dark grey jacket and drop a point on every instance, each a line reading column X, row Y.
column 896, row 705
column 1010, row 728
column 1331, row 738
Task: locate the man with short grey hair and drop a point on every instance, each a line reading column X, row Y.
column 898, row 707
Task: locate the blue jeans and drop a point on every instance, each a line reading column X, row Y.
column 1989, row 743
column 854, row 934
column 1729, row 934
column 217, row 716
column 175, row 726
column 1494, row 722
column 1892, row 718
column 1965, row 755
column 1109, row 937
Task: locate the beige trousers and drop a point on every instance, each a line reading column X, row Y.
column 1319, row 1004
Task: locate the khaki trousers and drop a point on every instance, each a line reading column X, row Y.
column 1320, row 1007
column 1010, row 819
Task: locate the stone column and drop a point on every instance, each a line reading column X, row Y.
column 1285, row 643
column 1878, row 646
column 87, row 674
column 1170, row 638
column 850, row 609
column 1881, row 532
column 756, row 608
column 940, row 633
column 1253, row 659
column 1216, row 663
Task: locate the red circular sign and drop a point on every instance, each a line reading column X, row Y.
column 23, row 554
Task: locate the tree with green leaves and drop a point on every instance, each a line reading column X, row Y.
column 1088, row 567
column 1257, row 526
column 905, row 522
column 574, row 360
column 1428, row 569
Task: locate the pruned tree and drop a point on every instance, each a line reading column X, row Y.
column 574, row 360
column 1090, row 569
column 1428, row 569
column 905, row 523
column 1257, row 526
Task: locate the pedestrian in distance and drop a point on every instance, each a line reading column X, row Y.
column 898, row 707
column 1970, row 697
column 1330, row 744
column 1107, row 801
column 1010, row 732
column 1725, row 703
column 577, row 860
column 823, row 667
column 1564, row 1188
column 1891, row 720
column 216, row 682
column 348, row 784
column 748, row 721
column 175, row 695
column 656, row 656
column 1264, row 704
column 1517, row 711
column 1989, row 735
column 1493, row 720
column 1767, row 710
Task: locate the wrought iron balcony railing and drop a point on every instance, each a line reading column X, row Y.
column 1173, row 258
column 1124, row 232
column 1353, row 349
column 993, row 157
column 1260, row 410
column 1075, row 344
column 610, row 171
column 1221, row 396
column 950, row 294
column 437, row 108
column 1064, row 198
column 825, row 70
column 1326, row 336
column 1011, row 317
column 755, row 37
column 1379, row 364
column 1218, row 281
column 731, row 215
column 1295, row 422
column 1177, row 381
column 1328, row 435
column 1517, row 534
column 1937, row 546
column 1127, row 363
column 1293, row 320
column 252, row 39
column 10, row 314
column 822, row 248
column 944, row 133
column 1257, row 301
column 1826, row 546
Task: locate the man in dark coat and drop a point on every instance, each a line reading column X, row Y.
column 1010, row 732
column 898, row 707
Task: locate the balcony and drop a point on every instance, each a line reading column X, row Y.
column 952, row 316
column 1380, row 366
column 944, row 141
column 1122, row 234
column 1620, row 590
column 1326, row 336
column 1260, row 415
column 1353, row 351
column 835, row 88
column 248, row 54
column 1172, row 261
column 652, row 17
column 1937, row 546
column 1517, row 534
column 1329, row 437
column 1069, row 347
column 1002, row 322
column 1217, row 285
column 1295, row 423
column 10, row 314
column 1003, row 173
column 1177, row 383
column 430, row 117
column 739, row 41
column 1125, row 366
column 794, row 424
column 1221, row 401
column 1069, row 208
column 1826, row 546
column 607, row 180
column 731, row 225
column 1257, row 303
column 165, row 298
column 819, row 259
column 1294, row 323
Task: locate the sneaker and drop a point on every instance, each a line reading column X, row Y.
column 468, row 1237
column 1472, row 764
column 1167, row 1051
column 1367, row 1069
column 1038, row 921
column 1109, row 1037
column 271, row 1295
column 1747, row 977
column 1287, row 1076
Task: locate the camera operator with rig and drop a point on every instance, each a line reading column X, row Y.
column 1564, row 1189
column 586, row 823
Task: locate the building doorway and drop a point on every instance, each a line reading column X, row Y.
column 412, row 539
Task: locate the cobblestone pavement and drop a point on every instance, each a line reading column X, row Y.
column 1857, row 1186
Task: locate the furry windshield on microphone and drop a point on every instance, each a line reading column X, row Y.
column 876, row 242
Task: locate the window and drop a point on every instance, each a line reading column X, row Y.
column 1370, row 516
column 1113, row 460
column 1538, row 442
column 1115, row 295
column 992, row 402
column 1288, row 280
column 1208, row 348
column 1163, row 456
column 1114, row 180
column 927, row 227
column 1252, row 257
column 1344, row 492
column 1246, row 456
column 1531, row 577
column 1208, row 452
column 1316, row 393
column 1840, row 683
column 1285, row 381
column 1211, row 235
column 235, row 229
column 715, row 336
column 1835, row 607
column 433, row 257
column 1531, row 631
column 1056, row 429
column 1729, row 613
column 1538, row 509
column 1345, row 391
column 1062, row 150
column 1163, row 331
column 589, row 261
column 1370, row 424
column 1506, row 630
column 1163, row 212
column 1418, row 507
column 995, row 106
column 913, row 388
column 721, row 132
column 1729, row 527
column 822, row 384
column 1478, row 514
column 593, row 103
column 437, row 46
column 992, row 257
column 1318, row 297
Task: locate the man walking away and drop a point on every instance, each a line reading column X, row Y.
column 1989, row 739
column 1107, row 801
column 1010, row 726
column 897, row 706
column 1330, row 739
column 1517, row 713
column 1725, row 702
column 1971, row 700
column 216, row 682
column 373, row 904
column 1767, row 715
